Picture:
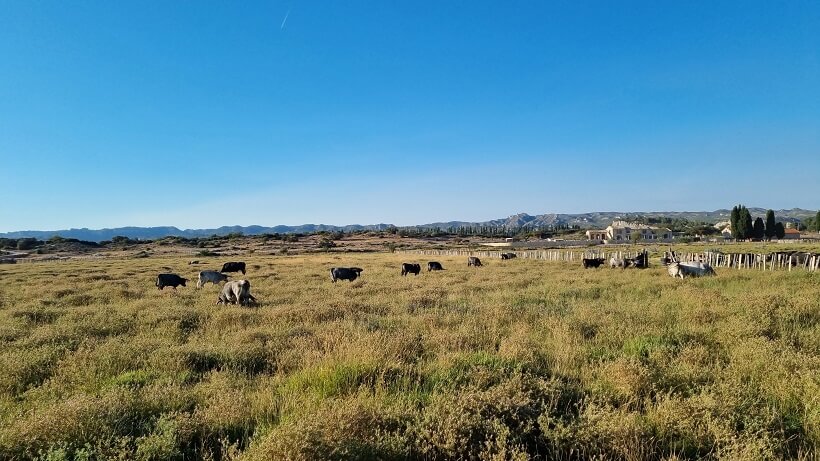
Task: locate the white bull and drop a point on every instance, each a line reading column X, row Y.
column 236, row 291
column 210, row 276
column 691, row 269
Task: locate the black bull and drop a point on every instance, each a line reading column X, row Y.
column 345, row 273
column 410, row 268
column 234, row 267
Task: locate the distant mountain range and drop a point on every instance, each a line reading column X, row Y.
column 584, row 220
column 147, row 233
column 605, row 218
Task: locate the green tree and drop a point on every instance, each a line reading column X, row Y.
column 27, row 243
column 748, row 223
column 327, row 243
column 770, row 224
column 759, row 229
column 745, row 228
column 780, row 231
column 817, row 222
column 734, row 218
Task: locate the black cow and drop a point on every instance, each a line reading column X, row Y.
column 508, row 255
column 344, row 273
column 641, row 261
column 169, row 280
column 234, row 267
column 434, row 266
column 592, row 262
column 473, row 261
column 410, row 268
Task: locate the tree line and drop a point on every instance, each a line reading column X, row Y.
column 741, row 222
column 743, row 227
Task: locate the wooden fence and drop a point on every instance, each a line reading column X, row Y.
column 544, row 255
column 759, row 261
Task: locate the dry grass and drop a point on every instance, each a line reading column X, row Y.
column 515, row 360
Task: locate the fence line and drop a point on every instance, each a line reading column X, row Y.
column 758, row 261
column 544, row 255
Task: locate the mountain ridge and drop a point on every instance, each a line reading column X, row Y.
column 583, row 220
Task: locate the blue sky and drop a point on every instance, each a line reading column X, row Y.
column 201, row 114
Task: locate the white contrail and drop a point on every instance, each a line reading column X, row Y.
column 286, row 19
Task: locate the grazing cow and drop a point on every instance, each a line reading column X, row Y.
column 211, row 276
column 641, row 261
column 236, row 291
column 169, row 280
column 234, row 267
column 508, row 255
column 592, row 262
column 691, row 269
column 345, row 273
column 434, row 266
column 473, row 261
column 798, row 259
column 410, row 268
column 668, row 258
column 616, row 262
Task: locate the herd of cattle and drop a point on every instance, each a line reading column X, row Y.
column 234, row 291
column 674, row 267
column 239, row 291
column 641, row 261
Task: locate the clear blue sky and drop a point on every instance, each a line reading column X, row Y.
column 206, row 113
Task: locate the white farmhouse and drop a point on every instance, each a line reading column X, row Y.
column 620, row 231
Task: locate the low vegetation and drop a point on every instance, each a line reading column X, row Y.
column 516, row 360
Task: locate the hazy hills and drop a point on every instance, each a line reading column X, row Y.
column 145, row 233
column 604, row 218
column 584, row 220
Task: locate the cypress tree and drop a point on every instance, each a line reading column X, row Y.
column 733, row 221
column 744, row 224
column 780, row 231
column 770, row 224
column 759, row 230
column 748, row 226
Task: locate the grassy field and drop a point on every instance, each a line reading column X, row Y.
column 515, row 360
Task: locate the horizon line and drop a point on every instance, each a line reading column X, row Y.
column 183, row 229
